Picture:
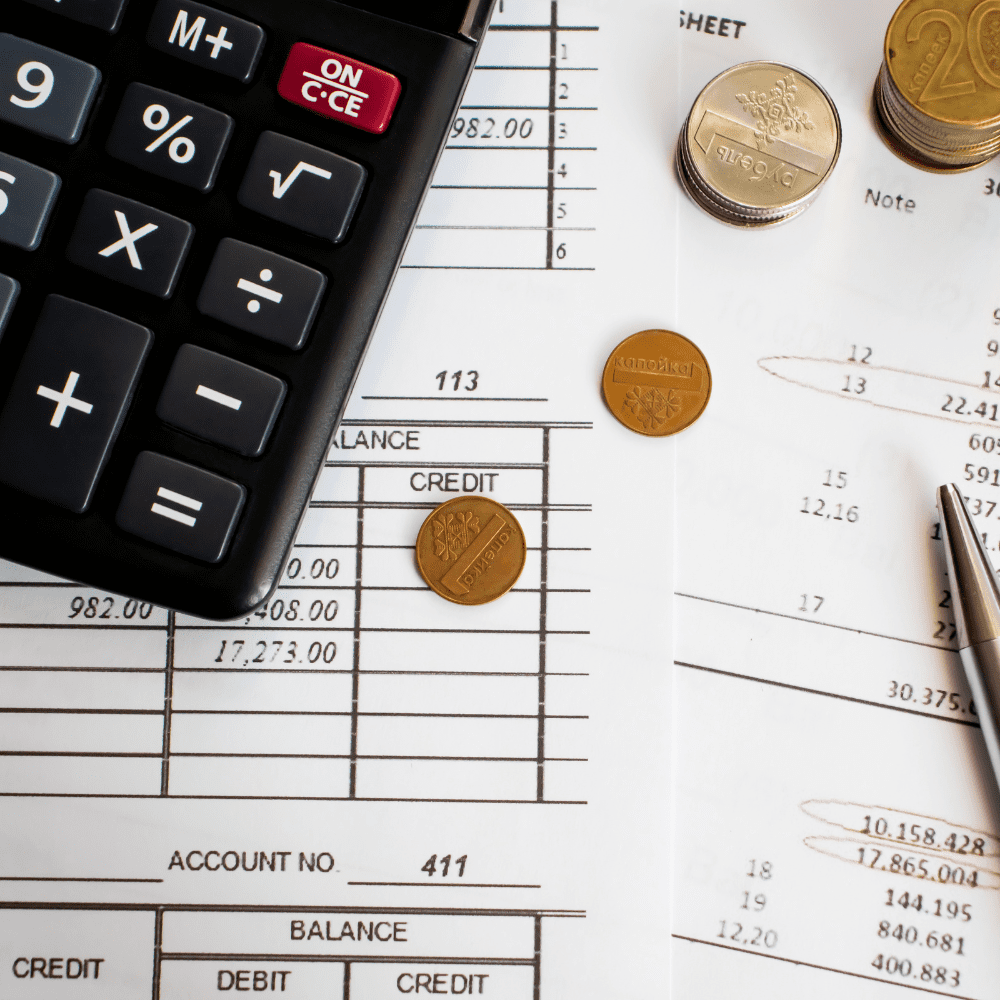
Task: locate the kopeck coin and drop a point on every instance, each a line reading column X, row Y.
column 937, row 96
column 471, row 550
column 657, row 382
column 758, row 145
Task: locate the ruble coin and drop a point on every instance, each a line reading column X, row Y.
column 657, row 382
column 758, row 145
column 471, row 550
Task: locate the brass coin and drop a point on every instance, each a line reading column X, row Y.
column 471, row 550
column 937, row 96
column 657, row 382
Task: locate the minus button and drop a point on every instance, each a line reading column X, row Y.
column 218, row 397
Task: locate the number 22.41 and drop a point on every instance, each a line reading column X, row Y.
column 471, row 380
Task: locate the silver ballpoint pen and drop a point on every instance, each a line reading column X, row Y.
column 975, row 594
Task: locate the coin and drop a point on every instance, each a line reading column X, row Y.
column 657, row 382
column 937, row 95
column 758, row 145
column 471, row 550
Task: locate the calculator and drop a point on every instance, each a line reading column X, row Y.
column 202, row 208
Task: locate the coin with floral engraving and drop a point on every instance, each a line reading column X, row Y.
column 471, row 550
column 758, row 145
column 937, row 96
column 657, row 382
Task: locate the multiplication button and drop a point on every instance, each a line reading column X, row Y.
column 181, row 507
column 27, row 197
column 262, row 293
column 44, row 90
column 221, row 400
column 68, row 401
column 170, row 136
column 130, row 242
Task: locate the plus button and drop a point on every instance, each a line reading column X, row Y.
column 64, row 399
column 218, row 42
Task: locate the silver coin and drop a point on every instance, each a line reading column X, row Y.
column 759, row 143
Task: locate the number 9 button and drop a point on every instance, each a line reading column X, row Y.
column 44, row 90
column 170, row 136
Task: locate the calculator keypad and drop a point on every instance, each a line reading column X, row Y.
column 181, row 507
column 262, row 293
column 206, row 37
column 170, row 136
column 303, row 186
column 130, row 242
column 221, row 400
column 68, row 401
column 44, row 90
column 9, row 290
column 104, row 14
column 27, row 197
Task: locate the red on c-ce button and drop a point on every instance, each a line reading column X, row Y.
column 339, row 87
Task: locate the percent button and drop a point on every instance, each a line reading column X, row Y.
column 170, row 136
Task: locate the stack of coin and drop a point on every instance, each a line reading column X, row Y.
column 758, row 145
column 937, row 97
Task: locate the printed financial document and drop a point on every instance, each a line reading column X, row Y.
column 362, row 790
column 835, row 812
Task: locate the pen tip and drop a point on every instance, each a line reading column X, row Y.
column 974, row 589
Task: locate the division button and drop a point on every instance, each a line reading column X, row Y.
column 181, row 507
column 9, row 290
column 206, row 37
column 339, row 87
column 130, row 242
column 27, row 197
column 170, row 136
column 264, row 294
column 221, row 400
column 68, row 401
column 302, row 185
column 44, row 90
column 103, row 14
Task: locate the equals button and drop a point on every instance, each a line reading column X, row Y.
column 221, row 400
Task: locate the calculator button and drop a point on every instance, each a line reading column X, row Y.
column 180, row 507
column 302, row 185
column 130, row 242
column 206, row 37
column 27, row 197
column 264, row 294
column 339, row 87
column 170, row 136
column 68, row 401
column 44, row 90
column 9, row 290
column 104, row 14
column 221, row 400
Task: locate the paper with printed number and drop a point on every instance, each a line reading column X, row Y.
column 364, row 790
column 836, row 815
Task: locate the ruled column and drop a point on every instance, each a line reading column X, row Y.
column 82, row 688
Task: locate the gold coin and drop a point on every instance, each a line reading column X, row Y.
column 657, row 382
column 938, row 93
column 471, row 550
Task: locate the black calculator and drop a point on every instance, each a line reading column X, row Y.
column 202, row 208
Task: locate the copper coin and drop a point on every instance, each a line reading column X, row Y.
column 471, row 550
column 657, row 382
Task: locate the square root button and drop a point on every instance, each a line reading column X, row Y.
column 339, row 87
column 303, row 186
column 262, row 293
column 181, row 507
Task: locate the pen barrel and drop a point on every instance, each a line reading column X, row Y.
column 982, row 668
